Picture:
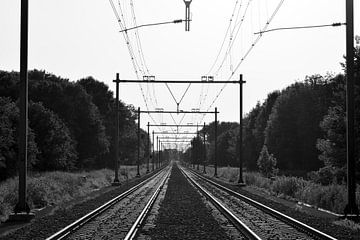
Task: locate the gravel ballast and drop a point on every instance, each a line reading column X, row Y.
column 183, row 215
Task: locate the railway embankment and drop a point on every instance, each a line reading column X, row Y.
column 323, row 221
column 53, row 218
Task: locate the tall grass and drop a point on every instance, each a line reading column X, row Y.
column 53, row 188
column 331, row 197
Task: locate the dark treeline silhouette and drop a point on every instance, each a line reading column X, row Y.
column 302, row 128
column 71, row 124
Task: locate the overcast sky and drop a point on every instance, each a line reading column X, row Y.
column 79, row 38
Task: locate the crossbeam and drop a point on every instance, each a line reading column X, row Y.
column 173, row 81
column 174, row 138
column 175, row 133
column 165, row 125
column 181, row 111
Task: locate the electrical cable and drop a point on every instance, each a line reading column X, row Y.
column 184, row 93
column 122, row 25
column 302, row 27
column 246, row 54
column 224, row 39
column 171, row 93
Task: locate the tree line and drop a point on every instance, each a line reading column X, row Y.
column 71, row 124
column 302, row 127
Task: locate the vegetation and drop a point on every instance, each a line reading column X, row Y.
column 71, row 124
column 330, row 197
column 267, row 163
column 302, row 127
column 57, row 188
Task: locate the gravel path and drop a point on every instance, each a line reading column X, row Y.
column 183, row 215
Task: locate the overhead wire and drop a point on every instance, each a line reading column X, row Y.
column 237, row 26
column 184, row 93
column 224, row 39
column 247, row 53
column 204, row 96
column 141, row 53
column 122, row 24
column 302, row 27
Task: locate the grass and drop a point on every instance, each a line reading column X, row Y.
column 331, row 197
column 54, row 188
column 348, row 224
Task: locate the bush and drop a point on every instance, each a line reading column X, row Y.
column 267, row 163
column 256, row 179
column 332, row 197
column 52, row 188
column 288, row 186
column 328, row 175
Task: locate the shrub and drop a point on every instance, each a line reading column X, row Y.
column 256, row 179
column 52, row 188
column 267, row 163
column 332, row 197
column 328, row 175
column 288, row 186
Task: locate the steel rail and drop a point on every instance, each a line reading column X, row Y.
column 90, row 216
column 245, row 230
column 302, row 227
column 137, row 225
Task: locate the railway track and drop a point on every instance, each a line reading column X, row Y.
column 121, row 217
column 251, row 218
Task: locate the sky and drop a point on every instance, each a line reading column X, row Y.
column 78, row 38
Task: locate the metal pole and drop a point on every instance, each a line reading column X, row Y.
column 241, row 180
column 351, row 207
column 158, row 148
column 153, row 150
column 198, row 148
column 148, row 148
column 160, row 158
column 116, row 157
column 138, row 147
column 22, row 207
column 215, row 143
column 204, row 155
column 192, row 154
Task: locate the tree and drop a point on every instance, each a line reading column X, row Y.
column 267, row 163
column 9, row 85
column 293, row 126
column 75, row 107
column 262, row 118
column 226, row 154
column 250, row 152
column 225, row 139
column 57, row 149
column 103, row 98
column 197, row 150
column 9, row 121
column 332, row 145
